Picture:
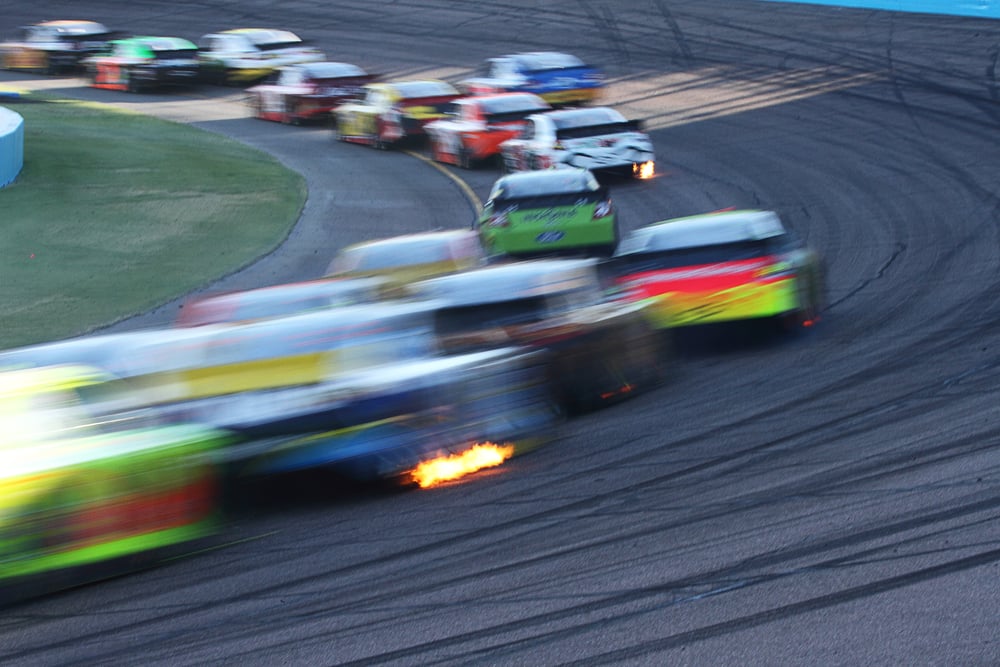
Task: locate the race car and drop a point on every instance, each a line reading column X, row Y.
column 244, row 56
column 726, row 266
column 308, row 91
column 359, row 389
column 278, row 300
column 392, row 112
column 140, row 63
column 54, row 47
column 598, row 138
column 600, row 349
column 552, row 212
column 91, row 486
column 401, row 260
column 476, row 126
column 559, row 78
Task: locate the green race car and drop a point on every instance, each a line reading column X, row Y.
column 91, row 485
column 549, row 213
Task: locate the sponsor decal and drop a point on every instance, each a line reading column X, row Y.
column 549, row 237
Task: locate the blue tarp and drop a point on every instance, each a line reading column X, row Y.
column 980, row 8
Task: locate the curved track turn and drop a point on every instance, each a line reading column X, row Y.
column 828, row 499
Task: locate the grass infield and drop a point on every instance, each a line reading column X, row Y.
column 115, row 213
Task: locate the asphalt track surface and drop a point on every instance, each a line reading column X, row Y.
column 827, row 499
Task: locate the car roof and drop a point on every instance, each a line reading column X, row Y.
column 21, row 381
column 702, row 230
column 565, row 119
column 410, row 249
column 508, row 282
column 544, row 182
column 277, row 300
column 328, row 70
column 159, row 43
column 74, row 27
column 540, row 60
column 264, row 35
column 506, row 102
column 419, row 88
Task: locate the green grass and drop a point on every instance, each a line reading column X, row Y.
column 115, row 213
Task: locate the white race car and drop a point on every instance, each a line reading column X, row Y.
column 598, row 139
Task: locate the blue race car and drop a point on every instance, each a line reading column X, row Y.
column 558, row 78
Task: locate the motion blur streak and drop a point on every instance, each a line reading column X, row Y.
column 446, row 468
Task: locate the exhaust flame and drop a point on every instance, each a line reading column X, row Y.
column 445, row 468
column 644, row 170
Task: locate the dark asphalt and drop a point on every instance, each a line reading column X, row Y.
column 827, row 499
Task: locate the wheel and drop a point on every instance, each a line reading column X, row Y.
column 464, row 158
column 378, row 143
column 291, row 114
column 533, row 164
column 337, row 134
column 131, row 84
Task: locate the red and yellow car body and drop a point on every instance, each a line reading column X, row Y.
column 721, row 267
column 393, row 111
column 477, row 126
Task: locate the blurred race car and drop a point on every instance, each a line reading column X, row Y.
column 599, row 139
column 559, row 78
column 401, row 260
column 246, row 55
column 721, row 267
column 552, row 212
column 360, row 389
column 393, row 111
column 600, row 349
column 476, row 126
column 54, row 47
column 308, row 91
column 140, row 63
column 90, row 486
column 277, row 300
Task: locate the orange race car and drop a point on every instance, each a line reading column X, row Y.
column 476, row 126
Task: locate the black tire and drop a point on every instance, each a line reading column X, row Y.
column 464, row 158
column 337, row 134
column 131, row 84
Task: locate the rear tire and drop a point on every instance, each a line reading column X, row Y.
column 464, row 158
column 131, row 85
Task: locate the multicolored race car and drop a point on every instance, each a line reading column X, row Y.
column 307, row 91
column 600, row 349
column 599, row 139
column 362, row 389
column 559, row 78
column 246, row 55
column 54, row 47
column 721, row 267
column 476, row 126
column 552, row 212
column 139, row 63
column 392, row 112
column 90, row 485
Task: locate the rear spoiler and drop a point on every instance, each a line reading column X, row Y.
column 596, row 130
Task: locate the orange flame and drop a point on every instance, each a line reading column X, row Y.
column 445, row 468
column 644, row 170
